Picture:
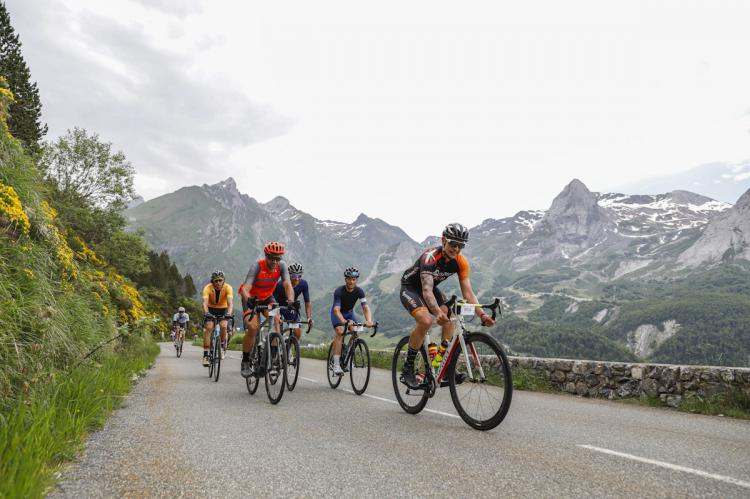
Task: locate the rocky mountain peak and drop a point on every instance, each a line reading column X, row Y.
column 229, row 184
column 277, row 204
column 743, row 203
column 575, row 195
column 362, row 219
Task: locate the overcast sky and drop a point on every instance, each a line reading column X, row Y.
column 418, row 113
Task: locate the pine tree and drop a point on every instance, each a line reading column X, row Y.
column 25, row 121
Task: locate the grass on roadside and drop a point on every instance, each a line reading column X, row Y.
column 50, row 425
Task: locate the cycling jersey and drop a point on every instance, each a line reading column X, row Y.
column 346, row 300
column 300, row 289
column 181, row 318
column 217, row 298
column 433, row 262
column 262, row 282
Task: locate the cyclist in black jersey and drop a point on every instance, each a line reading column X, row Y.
column 342, row 311
column 421, row 297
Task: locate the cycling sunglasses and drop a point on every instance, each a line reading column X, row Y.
column 295, row 276
column 455, row 244
column 274, row 258
column 218, row 280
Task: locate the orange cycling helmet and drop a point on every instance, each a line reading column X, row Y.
column 274, row 248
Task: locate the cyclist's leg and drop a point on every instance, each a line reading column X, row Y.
column 298, row 333
column 414, row 304
column 208, row 326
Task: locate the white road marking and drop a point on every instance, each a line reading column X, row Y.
column 670, row 466
column 309, row 379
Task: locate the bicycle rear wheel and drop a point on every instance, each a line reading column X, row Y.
column 252, row 380
column 412, row 401
column 333, row 380
column 275, row 368
column 359, row 366
column 482, row 389
column 217, row 358
column 292, row 361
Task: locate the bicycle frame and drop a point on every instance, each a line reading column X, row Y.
column 457, row 316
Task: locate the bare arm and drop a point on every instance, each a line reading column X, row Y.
column 205, row 304
column 427, row 294
column 308, row 310
column 368, row 313
column 289, row 290
column 468, row 293
column 230, row 305
column 338, row 314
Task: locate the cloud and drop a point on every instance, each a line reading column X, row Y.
column 148, row 98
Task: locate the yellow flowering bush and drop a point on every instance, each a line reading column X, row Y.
column 63, row 252
column 11, row 209
column 86, row 254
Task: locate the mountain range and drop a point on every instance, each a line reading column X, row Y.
column 584, row 248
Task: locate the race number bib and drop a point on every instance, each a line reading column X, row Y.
column 295, row 325
column 273, row 312
column 467, row 309
column 359, row 328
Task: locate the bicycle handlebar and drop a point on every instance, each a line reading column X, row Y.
column 357, row 324
column 494, row 307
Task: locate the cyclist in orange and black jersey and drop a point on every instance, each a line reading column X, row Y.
column 421, row 297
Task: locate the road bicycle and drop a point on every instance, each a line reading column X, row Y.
column 266, row 358
column 474, row 367
column 214, row 351
column 179, row 340
column 355, row 358
column 292, row 349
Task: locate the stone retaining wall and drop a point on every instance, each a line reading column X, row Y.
column 611, row 380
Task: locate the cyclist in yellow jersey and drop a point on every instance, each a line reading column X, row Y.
column 217, row 303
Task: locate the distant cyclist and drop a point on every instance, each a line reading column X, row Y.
column 344, row 299
column 300, row 288
column 258, row 289
column 217, row 302
column 180, row 322
column 421, row 297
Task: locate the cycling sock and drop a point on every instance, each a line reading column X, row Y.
column 411, row 354
column 245, row 356
column 205, row 353
column 336, row 360
column 442, row 348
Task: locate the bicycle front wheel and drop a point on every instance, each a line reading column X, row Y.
column 333, row 380
column 359, row 366
column 275, row 368
column 217, row 359
column 292, row 362
column 179, row 348
column 211, row 359
column 410, row 400
column 252, row 380
column 480, row 382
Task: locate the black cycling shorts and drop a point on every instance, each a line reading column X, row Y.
column 413, row 301
column 245, row 309
column 216, row 312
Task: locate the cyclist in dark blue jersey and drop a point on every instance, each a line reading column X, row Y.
column 344, row 299
column 300, row 288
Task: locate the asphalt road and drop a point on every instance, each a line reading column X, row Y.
column 182, row 435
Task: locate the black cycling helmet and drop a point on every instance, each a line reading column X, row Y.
column 296, row 268
column 351, row 272
column 217, row 274
column 457, row 232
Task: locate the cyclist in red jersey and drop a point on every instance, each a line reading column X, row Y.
column 421, row 297
column 258, row 288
